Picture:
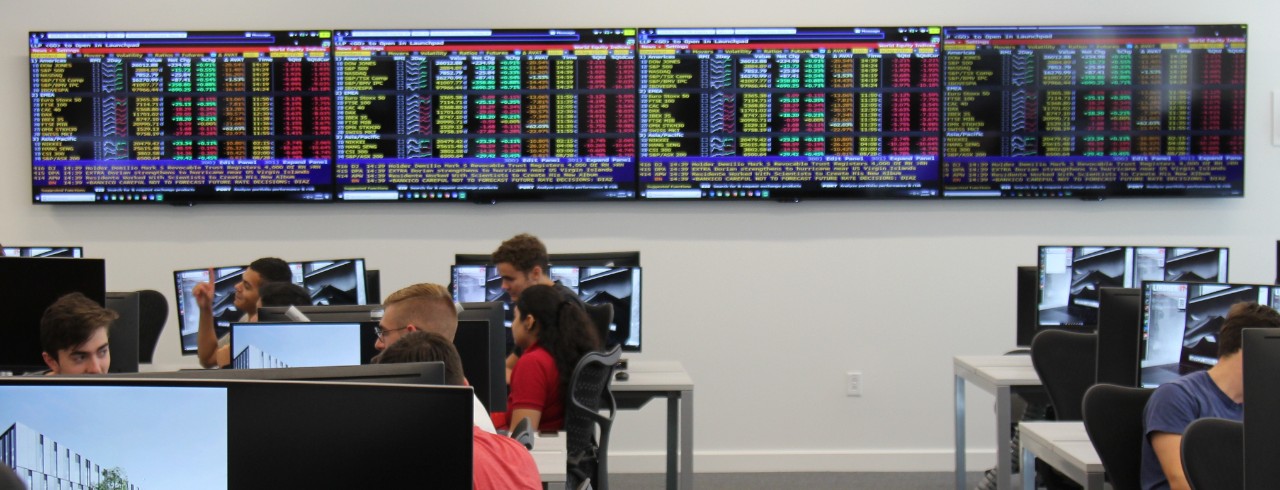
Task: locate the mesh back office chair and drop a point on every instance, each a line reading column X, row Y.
column 589, row 394
column 1067, row 363
column 153, row 312
column 1213, row 454
column 1113, row 419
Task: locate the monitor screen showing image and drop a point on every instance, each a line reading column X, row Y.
column 332, row 282
column 307, row 344
column 64, row 252
column 1180, row 324
column 224, row 296
column 116, row 436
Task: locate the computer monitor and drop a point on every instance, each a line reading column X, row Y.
column 601, row 259
column 422, row 373
column 333, row 282
column 332, row 313
column 1071, row 276
column 28, row 285
column 372, row 286
column 481, row 343
column 619, row 286
column 1261, row 426
column 124, row 331
column 1119, row 326
column 1028, row 296
column 307, row 344
column 63, row 252
column 1180, row 323
column 329, row 282
column 238, row 434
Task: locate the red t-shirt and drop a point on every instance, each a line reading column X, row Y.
column 535, row 385
column 501, row 463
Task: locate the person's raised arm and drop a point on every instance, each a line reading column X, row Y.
column 206, row 338
column 1168, row 449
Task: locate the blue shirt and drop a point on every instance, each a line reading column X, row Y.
column 1172, row 408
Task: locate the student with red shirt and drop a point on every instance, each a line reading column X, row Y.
column 554, row 333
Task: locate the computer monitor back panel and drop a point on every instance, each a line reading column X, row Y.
column 421, row 373
column 1119, row 327
column 310, row 344
column 481, row 345
column 124, row 331
column 28, row 286
column 1028, row 295
column 224, row 434
column 1261, row 426
column 336, row 313
column 1180, row 324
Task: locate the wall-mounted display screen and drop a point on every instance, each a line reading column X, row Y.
column 180, row 116
column 789, row 113
column 485, row 115
column 1094, row 111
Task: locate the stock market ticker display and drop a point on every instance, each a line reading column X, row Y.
column 181, row 116
column 485, row 115
column 1094, row 111
column 789, row 113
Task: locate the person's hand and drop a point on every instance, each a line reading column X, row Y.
column 203, row 293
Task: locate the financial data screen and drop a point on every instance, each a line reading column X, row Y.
column 485, row 114
column 1079, row 111
column 181, row 116
column 776, row 112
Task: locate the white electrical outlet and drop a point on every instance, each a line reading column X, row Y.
column 853, row 383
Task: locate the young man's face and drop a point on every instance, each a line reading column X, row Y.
column 91, row 357
column 514, row 281
column 247, row 291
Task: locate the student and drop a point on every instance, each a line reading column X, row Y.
column 554, row 333
column 217, row 352
column 522, row 261
column 420, row 307
column 283, row 294
column 498, row 462
column 1218, row 392
column 74, row 336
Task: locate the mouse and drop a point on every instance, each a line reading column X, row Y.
column 621, row 376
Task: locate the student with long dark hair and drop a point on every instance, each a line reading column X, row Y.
column 554, row 333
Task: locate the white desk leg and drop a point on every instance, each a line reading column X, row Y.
column 960, row 468
column 1004, row 470
column 686, row 440
column 673, row 439
column 1029, row 470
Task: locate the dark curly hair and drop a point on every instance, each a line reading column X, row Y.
column 564, row 329
column 524, row 252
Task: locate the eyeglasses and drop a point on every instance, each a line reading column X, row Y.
column 379, row 331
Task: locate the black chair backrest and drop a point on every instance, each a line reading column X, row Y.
column 1067, row 365
column 601, row 316
column 153, row 312
column 589, row 394
column 1213, row 454
column 1113, row 419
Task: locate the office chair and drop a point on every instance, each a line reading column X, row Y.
column 589, row 394
column 1067, row 365
column 1113, row 420
column 601, row 316
column 153, row 312
column 523, row 433
column 1213, row 454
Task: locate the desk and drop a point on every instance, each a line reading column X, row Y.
column 998, row 375
column 551, row 456
column 1065, row 446
column 653, row 379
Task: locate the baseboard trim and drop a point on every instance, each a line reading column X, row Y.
column 803, row 461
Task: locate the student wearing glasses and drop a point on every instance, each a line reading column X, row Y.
column 423, row 307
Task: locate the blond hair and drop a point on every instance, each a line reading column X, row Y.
column 426, row 305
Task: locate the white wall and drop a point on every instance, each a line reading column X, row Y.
column 766, row 304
